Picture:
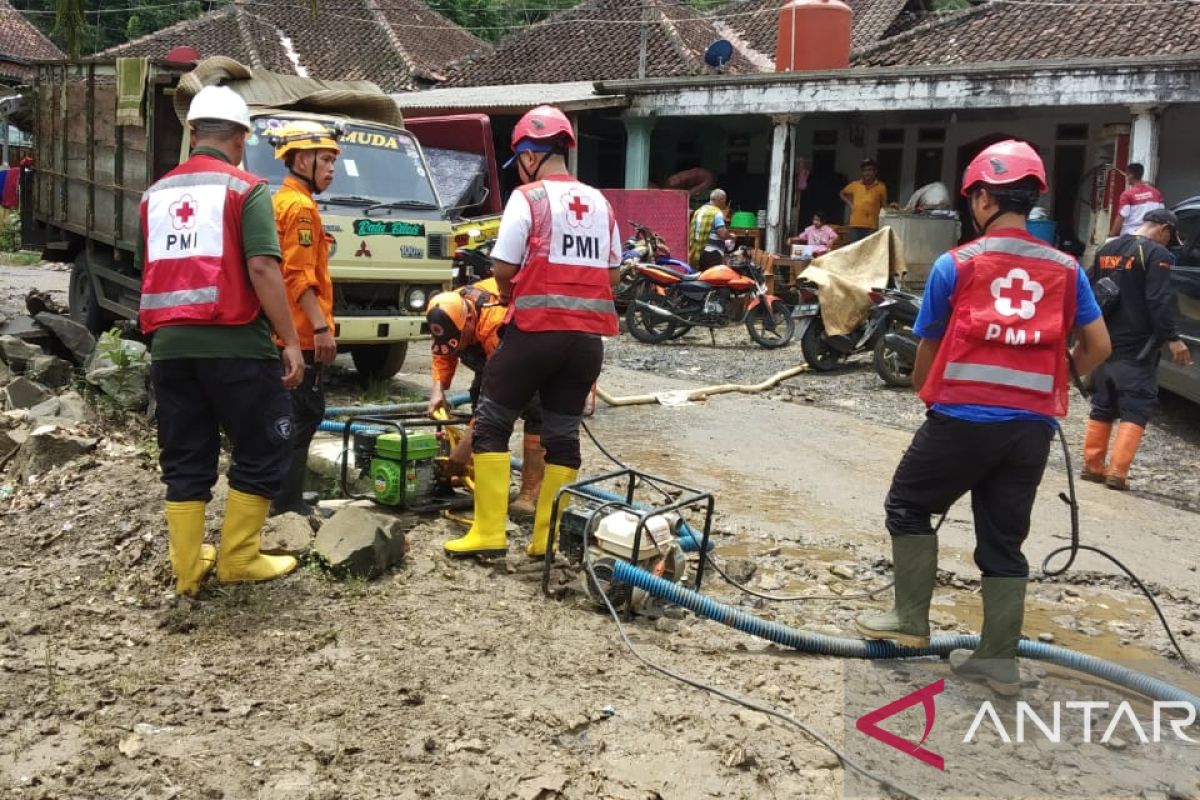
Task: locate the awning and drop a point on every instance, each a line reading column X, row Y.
column 512, row 99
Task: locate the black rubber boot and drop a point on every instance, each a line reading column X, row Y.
column 995, row 660
column 291, row 491
column 915, row 563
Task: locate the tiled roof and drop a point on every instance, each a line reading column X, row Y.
column 600, row 40
column 756, row 22
column 398, row 44
column 1012, row 31
column 22, row 42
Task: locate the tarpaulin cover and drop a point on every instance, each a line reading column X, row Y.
column 847, row 275
column 664, row 211
column 269, row 91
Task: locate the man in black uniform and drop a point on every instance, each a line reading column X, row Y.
column 1139, row 322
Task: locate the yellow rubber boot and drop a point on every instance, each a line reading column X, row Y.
column 1095, row 450
column 486, row 535
column 533, row 468
column 239, row 558
column 556, row 478
column 191, row 559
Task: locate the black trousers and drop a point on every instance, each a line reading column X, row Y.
column 531, row 415
column 308, row 412
column 197, row 400
column 999, row 463
column 1127, row 390
column 560, row 367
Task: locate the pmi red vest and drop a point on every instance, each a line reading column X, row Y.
column 563, row 284
column 1006, row 341
column 194, row 272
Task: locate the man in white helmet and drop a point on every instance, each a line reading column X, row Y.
column 211, row 294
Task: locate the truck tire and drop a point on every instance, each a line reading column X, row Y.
column 378, row 362
column 81, row 298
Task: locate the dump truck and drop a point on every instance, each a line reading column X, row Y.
column 96, row 151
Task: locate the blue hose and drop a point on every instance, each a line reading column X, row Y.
column 688, row 539
column 872, row 649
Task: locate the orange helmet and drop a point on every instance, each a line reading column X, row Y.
column 451, row 319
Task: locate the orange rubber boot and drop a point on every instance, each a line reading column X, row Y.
column 1129, row 436
column 1095, row 450
column 532, row 470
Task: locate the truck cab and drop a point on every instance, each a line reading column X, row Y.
column 386, row 218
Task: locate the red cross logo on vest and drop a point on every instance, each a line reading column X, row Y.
column 183, row 213
column 579, row 210
column 1017, row 294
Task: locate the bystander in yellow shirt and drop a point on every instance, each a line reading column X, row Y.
column 867, row 203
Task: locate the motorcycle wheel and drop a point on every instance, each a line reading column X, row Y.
column 644, row 325
column 819, row 355
column 771, row 328
column 887, row 364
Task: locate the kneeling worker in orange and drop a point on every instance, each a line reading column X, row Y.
column 465, row 326
column 555, row 263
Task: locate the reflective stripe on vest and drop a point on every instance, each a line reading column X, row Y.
column 1003, row 376
column 566, row 303
column 1013, row 247
column 200, row 179
column 181, row 297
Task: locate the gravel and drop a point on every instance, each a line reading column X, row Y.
column 1167, row 467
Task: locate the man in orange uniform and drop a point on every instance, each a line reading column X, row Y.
column 310, row 151
column 465, row 326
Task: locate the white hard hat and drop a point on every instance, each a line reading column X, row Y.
column 219, row 102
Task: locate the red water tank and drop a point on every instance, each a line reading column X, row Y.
column 813, row 35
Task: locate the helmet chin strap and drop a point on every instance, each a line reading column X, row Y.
column 533, row 176
column 310, row 179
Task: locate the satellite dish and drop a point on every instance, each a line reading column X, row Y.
column 719, row 53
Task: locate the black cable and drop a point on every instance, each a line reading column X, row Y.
column 696, row 683
column 1075, row 547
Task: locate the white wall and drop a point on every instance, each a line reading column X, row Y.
column 1179, row 153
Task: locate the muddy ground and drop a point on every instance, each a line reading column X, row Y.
column 455, row 680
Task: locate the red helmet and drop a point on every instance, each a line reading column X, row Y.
column 1003, row 163
column 542, row 124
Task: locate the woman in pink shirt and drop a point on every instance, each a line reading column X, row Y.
column 818, row 235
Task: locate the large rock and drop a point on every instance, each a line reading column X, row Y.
column 24, row 393
column 289, row 534
column 122, row 374
column 74, row 337
column 49, row 446
column 72, row 406
column 17, row 353
column 45, row 410
column 359, row 541
column 51, row 371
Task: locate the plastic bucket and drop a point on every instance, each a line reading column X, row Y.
column 743, row 219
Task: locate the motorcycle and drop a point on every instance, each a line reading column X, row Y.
column 645, row 247
column 667, row 304
column 472, row 263
column 896, row 350
column 825, row 352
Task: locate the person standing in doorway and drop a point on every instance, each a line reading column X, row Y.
column 309, row 150
column 709, row 231
column 211, row 293
column 865, row 198
column 1137, row 199
column 1126, row 385
column 992, row 368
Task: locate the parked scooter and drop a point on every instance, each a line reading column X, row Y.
column 645, row 247
column 824, row 352
column 472, row 263
column 896, row 350
column 666, row 304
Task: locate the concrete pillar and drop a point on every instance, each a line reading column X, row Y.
column 637, row 151
column 777, row 189
column 1143, row 138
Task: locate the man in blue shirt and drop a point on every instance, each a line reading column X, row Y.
column 992, row 367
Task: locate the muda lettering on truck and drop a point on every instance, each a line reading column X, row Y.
column 389, row 142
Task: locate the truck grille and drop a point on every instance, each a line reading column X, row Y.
column 438, row 245
column 366, row 299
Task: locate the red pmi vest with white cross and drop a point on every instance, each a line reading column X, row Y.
column 563, row 284
column 1006, row 341
column 194, row 272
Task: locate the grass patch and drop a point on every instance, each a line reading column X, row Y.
column 20, row 258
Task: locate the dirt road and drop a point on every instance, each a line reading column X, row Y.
column 455, row 680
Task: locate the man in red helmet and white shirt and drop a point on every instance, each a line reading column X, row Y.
column 555, row 260
column 992, row 368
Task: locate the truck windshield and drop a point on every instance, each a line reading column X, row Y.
column 376, row 165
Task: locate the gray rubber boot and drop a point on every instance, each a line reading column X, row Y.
column 995, row 661
column 915, row 560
